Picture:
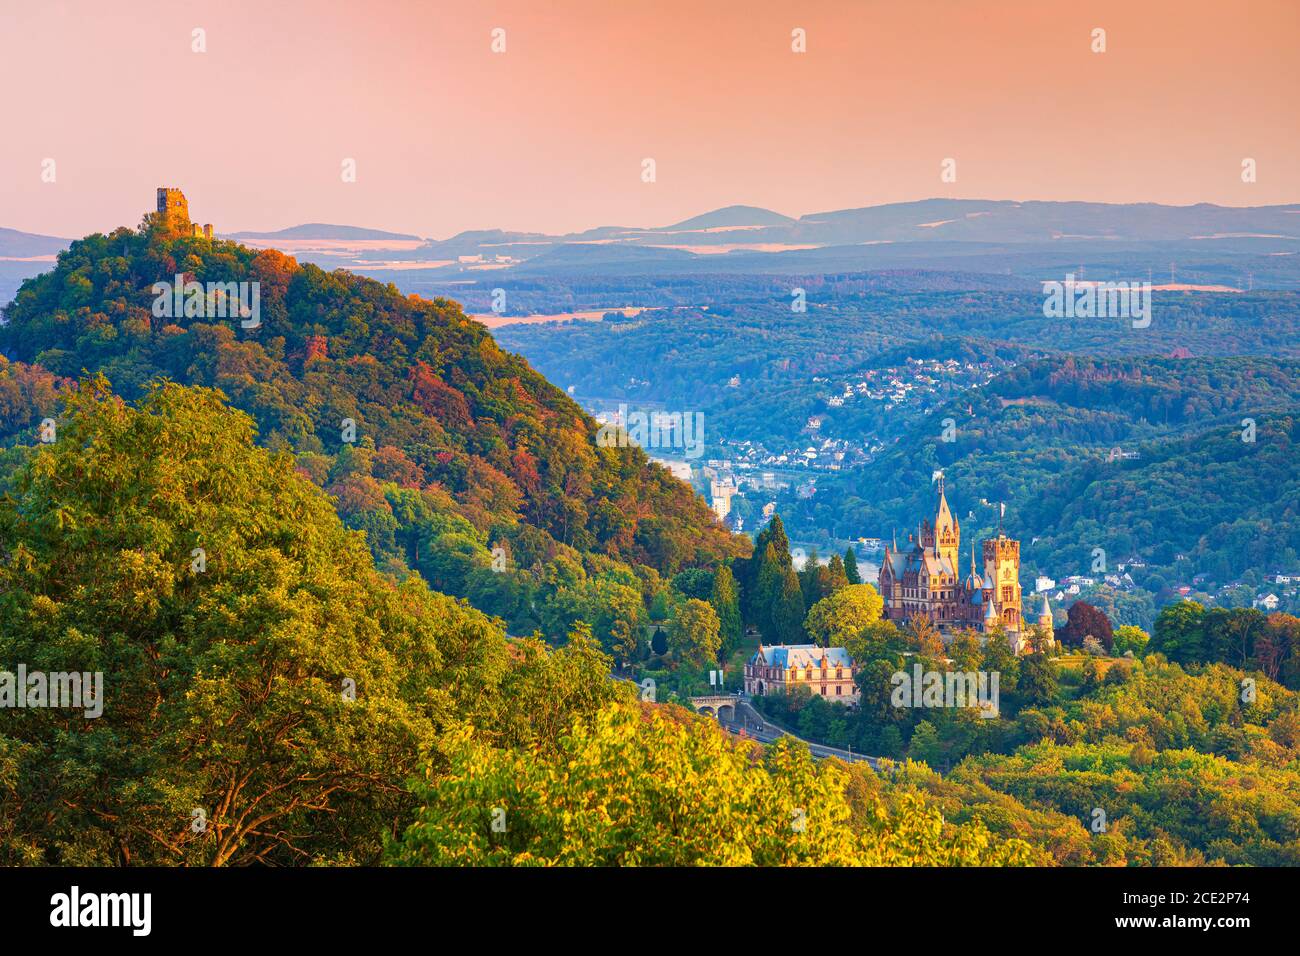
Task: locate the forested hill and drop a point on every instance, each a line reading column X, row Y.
column 457, row 442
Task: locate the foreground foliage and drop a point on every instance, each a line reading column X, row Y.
column 634, row 788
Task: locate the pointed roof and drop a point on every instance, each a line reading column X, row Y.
column 973, row 580
column 943, row 514
column 1046, row 611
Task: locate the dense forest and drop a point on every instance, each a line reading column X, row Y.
column 456, row 458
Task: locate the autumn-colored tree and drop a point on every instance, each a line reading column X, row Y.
column 925, row 638
column 838, row 575
column 1277, row 649
column 1084, row 620
column 642, row 789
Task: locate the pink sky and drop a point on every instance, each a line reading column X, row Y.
column 550, row 135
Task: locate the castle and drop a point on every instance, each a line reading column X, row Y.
column 925, row 580
column 174, row 214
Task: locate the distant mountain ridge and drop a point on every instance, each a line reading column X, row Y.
column 732, row 216
column 23, row 245
column 1026, row 241
column 1029, row 240
column 323, row 230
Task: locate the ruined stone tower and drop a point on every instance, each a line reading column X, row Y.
column 172, row 207
column 174, row 214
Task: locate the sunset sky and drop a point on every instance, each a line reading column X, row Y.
column 551, row 134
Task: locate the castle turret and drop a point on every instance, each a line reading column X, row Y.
column 1045, row 615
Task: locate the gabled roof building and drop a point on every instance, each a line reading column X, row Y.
column 781, row 668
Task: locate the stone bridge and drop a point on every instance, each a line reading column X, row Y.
column 722, row 706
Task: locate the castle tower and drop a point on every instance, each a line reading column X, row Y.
column 946, row 536
column 1002, row 570
column 173, row 209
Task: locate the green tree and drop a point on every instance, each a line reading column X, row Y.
column 1001, row 660
column 693, row 633
column 1037, row 684
column 835, row 620
column 891, row 742
column 965, row 651
column 725, row 599
column 787, row 613
column 1129, row 637
column 259, row 669
column 766, row 564
column 851, row 573
column 925, row 746
column 1179, row 632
